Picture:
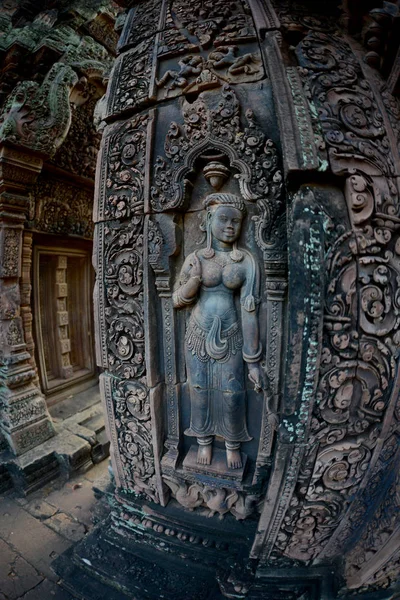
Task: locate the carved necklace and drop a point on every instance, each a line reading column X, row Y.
column 222, row 259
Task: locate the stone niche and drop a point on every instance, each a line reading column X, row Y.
column 214, row 159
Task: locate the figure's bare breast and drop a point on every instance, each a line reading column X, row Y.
column 215, row 273
column 220, row 284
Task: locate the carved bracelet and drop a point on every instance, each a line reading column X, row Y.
column 253, row 358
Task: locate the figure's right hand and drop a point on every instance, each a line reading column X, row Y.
column 195, row 266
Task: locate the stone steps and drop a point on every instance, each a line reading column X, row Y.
column 80, row 442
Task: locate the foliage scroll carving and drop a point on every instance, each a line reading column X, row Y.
column 207, row 128
column 362, row 309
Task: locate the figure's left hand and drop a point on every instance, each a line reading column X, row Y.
column 255, row 376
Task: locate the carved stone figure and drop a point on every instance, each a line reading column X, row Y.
column 216, row 343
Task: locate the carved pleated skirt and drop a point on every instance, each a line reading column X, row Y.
column 215, row 373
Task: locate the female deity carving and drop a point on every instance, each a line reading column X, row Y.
column 217, row 342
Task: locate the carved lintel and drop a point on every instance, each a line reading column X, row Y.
column 18, row 173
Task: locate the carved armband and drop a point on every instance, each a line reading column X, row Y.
column 180, row 301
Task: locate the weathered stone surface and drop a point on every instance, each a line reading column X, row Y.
column 39, row 508
column 40, row 547
column 247, row 257
column 66, row 526
column 16, row 576
column 76, row 498
column 51, row 72
column 31, row 544
column 48, row 590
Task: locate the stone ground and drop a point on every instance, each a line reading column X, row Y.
column 36, row 529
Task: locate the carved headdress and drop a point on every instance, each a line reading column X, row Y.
column 217, row 199
column 211, row 203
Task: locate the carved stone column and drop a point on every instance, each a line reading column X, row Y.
column 274, row 117
column 25, row 421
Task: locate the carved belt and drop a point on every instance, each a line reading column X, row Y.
column 213, row 344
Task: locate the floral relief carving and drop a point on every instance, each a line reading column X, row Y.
column 250, row 151
column 14, row 333
column 128, row 405
column 102, row 29
column 351, row 120
column 10, row 252
column 39, row 117
column 62, row 208
column 220, row 501
column 218, row 41
column 381, row 526
column 124, row 174
column 130, row 83
column 142, row 23
column 361, row 314
column 133, row 424
column 123, row 289
column 392, row 105
column 192, row 51
column 78, row 153
column 218, row 21
column 26, row 411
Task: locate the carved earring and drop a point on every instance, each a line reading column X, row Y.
column 236, row 255
column 209, row 252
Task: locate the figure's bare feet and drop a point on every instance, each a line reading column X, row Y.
column 234, row 459
column 204, row 455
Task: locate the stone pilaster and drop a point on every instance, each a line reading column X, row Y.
column 24, row 421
